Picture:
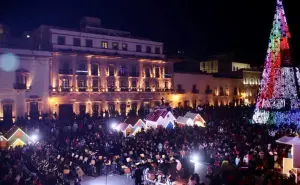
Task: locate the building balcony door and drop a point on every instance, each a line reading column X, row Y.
column 147, row 107
column 95, row 110
column 123, row 109
column 186, row 104
column 7, row 113
column 82, row 109
column 194, row 103
column 34, row 110
column 65, row 111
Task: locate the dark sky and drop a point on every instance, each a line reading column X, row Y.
column 200, row 28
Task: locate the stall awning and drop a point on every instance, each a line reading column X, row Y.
column 289, row 140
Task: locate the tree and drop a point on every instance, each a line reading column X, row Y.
column 278, row 100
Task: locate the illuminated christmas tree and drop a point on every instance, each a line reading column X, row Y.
column 278, row 99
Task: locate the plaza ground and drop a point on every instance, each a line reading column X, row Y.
column 123, row 180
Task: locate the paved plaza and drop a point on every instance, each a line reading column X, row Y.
column 111, row 180
column 123, row 180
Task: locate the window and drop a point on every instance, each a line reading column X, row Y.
column 235, row 91
column 34, row 110
column 76, row 41
column 221, row 91
column 95, row 83
column 89, row 43
column 111, row 83
column 134, row 106
column 65, row 68
column 82, row 110
column 94, row 69
column 148, row 49
column 194, row 86
column 166, row 70
column 123, row 109
column 95, row 108
column 82, row 66
column 104, row 44
column 124, row 47
column 157, row 50
column 147, row 72
column 147, row 84
column 166, row 84
column 134, row 72
column 122, row 69
column 81, row 83
column 157, row 72
column 138, row 48
column 133, row 83
column 157, row 84
column 21, row 79
column 122, row 83
column 65, row 83
column 115, row 45
column 111, row 108
column 226, row 91
column 61, row 40
column 111, row 70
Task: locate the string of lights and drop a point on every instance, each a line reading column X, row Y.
column 278, row 100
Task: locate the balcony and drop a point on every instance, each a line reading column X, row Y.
column 65, row 71
column 65, row 89
column 195, row 91
column 82, row 89
column 19, row 86
column 95, row 89
column 134, row 74
column 134, row 89
column 208, row 91
column 147, row 89
column 180, row 91
column 124, row 89
column 123, row 74
column 168, row 76
column 110, row 89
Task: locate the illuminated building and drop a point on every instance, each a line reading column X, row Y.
column 98, row 69
column 220, row 81
column 24, row 83
column 251, row 82
column 222, row 64
column 207, row 89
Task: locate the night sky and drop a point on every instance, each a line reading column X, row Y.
column 199, row 28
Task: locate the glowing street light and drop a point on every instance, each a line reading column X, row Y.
column 114, row 126
column 34, row 138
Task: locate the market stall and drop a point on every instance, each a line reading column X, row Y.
column 292, row 162
column 160, row 118
column 191, row 119
column 14, row 137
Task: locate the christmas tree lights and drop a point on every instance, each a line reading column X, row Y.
column 278, row 98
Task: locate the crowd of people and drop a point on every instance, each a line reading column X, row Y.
column 233, row 150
